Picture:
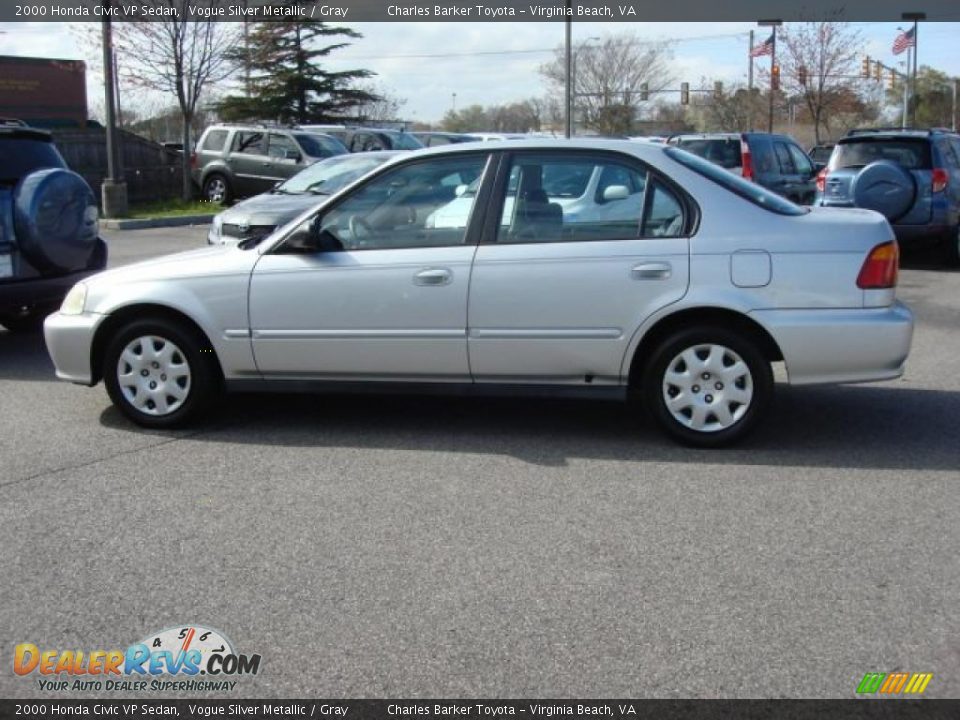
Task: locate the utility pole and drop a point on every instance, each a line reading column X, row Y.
column 113, row 191
column 750, row 79
column 568, row 48
column 916, row 17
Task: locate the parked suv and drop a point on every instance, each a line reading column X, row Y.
column 774, row 161
column 49, row 234
column 233, row 161
column 910, row 176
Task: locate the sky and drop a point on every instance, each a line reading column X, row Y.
column 491, row 63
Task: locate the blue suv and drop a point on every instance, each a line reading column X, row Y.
column 910, row 176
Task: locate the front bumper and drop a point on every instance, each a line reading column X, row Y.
column 69, row 341
column 841, row 346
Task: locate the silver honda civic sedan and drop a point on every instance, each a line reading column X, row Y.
column 680, row 287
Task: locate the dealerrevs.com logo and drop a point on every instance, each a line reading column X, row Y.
column 189, row 658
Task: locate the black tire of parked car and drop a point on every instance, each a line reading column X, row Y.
column 54, row 228
column 205, row 382
column 654, row 373
column 30, row 321
column 950, row 247
column 216, row 189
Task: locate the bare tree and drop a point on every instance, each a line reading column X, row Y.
column 382, row 105
column 181, row 56
column 609, row 79
column 818, row 64
column 726, row 109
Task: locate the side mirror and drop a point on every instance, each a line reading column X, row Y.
column 616, row 192
column 460, row 190
column 818, row 166
column 310, row 237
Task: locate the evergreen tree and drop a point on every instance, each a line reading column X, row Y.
column 287, row 83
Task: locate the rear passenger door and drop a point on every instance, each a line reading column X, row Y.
column 557, row 291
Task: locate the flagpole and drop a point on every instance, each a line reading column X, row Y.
column 750, row 80
column 773, row 64
column 916, row 48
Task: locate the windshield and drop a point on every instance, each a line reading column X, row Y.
column 404, row 141
column 328, row 176
column 756, row 194
column 20, row 156
column 321, row 146
column 913, row 154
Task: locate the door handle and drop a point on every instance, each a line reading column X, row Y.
column 652, row 271
column 433, row 276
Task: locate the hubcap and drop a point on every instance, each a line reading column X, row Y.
column 216, row 190
column 154, row 375
column 724, row 395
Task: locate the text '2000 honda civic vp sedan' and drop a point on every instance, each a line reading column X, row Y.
column 674, row 281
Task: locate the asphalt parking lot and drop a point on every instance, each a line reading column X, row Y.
column 377, row 547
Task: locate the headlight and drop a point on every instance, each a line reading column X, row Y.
column 75, row 300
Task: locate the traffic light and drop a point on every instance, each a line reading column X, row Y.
column 685, row 93
column 775, row 77
column 865, row 67
column 877, row 70
column 802, row 75
column 892, row 80
column 718, row 89
column 644, row 91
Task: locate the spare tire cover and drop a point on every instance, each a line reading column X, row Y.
column 886, row 187
column 55, row 219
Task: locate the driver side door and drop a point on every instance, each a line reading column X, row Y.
column 387, row 297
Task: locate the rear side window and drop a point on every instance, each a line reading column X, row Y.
column 724, row 152
column 215, row 140
column 757, row 194
column 21, row 156
column 913, row 154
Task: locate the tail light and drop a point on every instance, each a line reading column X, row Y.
column 746, row 162
column 881, row 267
column 822, row 180
column 940, row 179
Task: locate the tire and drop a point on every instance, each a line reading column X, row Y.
column 168, row 355
column 216, row 189
column 951, row 248
column 727, row 400
column 29, row 322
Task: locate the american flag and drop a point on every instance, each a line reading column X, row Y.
column 906, row 39
column 764, row 48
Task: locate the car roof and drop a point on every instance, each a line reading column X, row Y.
column 25, row 132
column 627, row 147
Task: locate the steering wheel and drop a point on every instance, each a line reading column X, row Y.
column 359, row 228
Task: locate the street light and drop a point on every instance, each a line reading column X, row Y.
column 773, row 62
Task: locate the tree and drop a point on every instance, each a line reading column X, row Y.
column 517, row 117
column 934, row 97
column 288, row 84
column 826, row 54
column 174, row 54
column 382, row 106
column 727, row 111
column 609, row 79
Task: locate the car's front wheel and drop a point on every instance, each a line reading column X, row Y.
column 159, row 373
column 707, row 387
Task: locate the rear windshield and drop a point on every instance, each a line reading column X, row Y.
column 756, row 194
column 20, row 156
column 911, row 153
column 724, row 152
column 321, row 145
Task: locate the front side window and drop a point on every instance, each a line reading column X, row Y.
column 554, row 198
column 250, row 143
column 415, row 205
column 783, row 159
column 800, row 160
column 282, row 147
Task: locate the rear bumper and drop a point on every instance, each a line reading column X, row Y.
column 69, row 340
column 39, row 292
column 841, row 346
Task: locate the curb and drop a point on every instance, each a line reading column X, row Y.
column 143, row 223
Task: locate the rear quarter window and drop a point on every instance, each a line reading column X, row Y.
column 215, row 140
column 913, row 154
column 756, row 194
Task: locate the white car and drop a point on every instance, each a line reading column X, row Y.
column 684, row 298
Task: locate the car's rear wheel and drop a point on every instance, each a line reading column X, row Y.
column 707, row 387
column 216, row 189
column 951, row 247
column 160, row 374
